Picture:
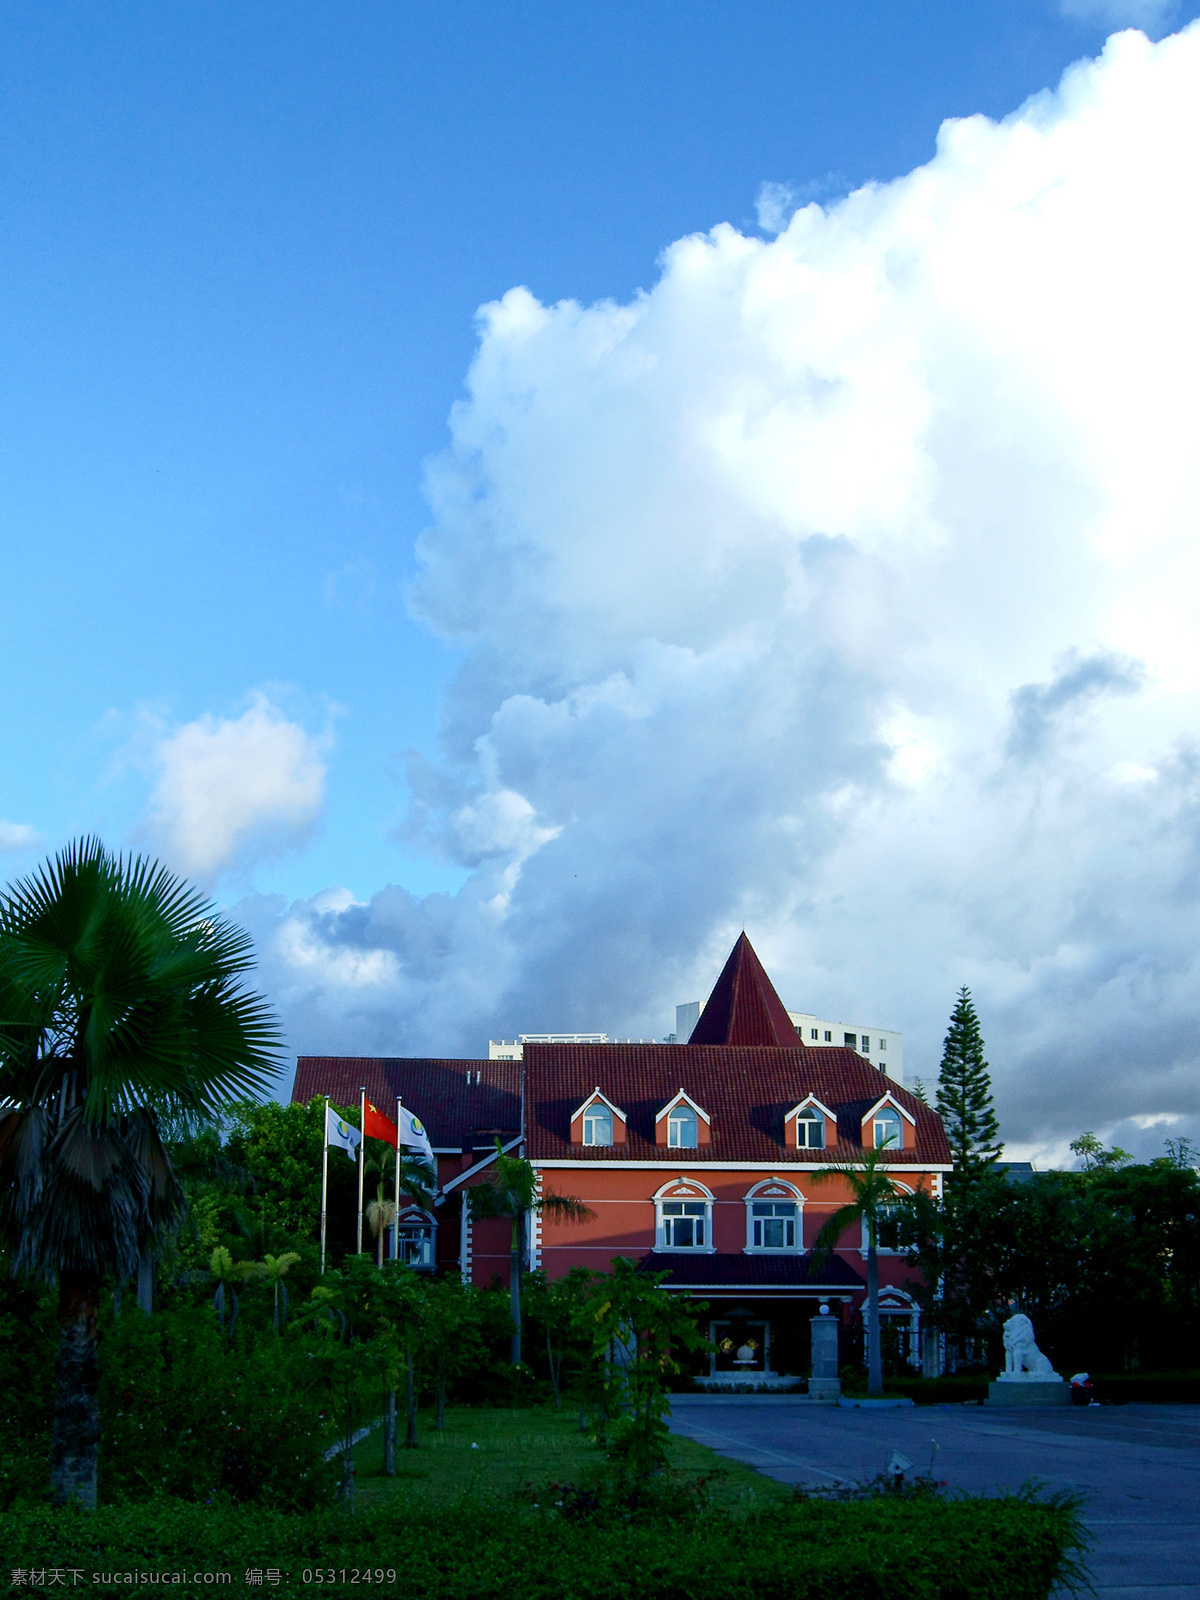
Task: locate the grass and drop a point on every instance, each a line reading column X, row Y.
column 494, row 1452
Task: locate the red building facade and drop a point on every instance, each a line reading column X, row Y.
column 709, row 1161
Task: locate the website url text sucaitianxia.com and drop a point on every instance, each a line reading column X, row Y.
column 253, row 1578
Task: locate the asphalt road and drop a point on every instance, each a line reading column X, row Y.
column 1138, row 1466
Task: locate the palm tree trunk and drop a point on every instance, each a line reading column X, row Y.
column 514, row 1288
column 389, row 1436
column 76, row 1441
column 145, row 1283
column 410, row 1398
column 875, row 1349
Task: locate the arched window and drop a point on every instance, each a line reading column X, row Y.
column 683, row 1129
column 774, row 1217
column 810, row 1130
column 414, row 1239
column 683, row 1217
column 597, row 1124
column 888, row 1133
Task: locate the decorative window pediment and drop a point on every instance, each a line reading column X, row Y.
column 598, row 1122
column 682, row 1124
column 810, row 1125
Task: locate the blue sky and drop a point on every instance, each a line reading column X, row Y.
column 243, row 255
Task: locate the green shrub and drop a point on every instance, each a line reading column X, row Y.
column 28, row 1344
column 1009, row 1548
column 186, row 1411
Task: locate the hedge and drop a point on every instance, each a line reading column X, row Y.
column 1008, row 1548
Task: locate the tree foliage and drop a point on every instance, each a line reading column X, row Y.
column 964, row 1094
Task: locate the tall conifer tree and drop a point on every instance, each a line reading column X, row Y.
column 964, row 1094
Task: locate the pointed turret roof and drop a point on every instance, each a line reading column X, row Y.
column 743, row 1007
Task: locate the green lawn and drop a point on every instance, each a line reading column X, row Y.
column 493, row 1452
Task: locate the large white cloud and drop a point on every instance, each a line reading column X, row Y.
column 845, row 586
column 230, row 790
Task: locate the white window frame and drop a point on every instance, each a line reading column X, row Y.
column 594, row 1110
column 678, row 1113
column 689, row 1191
column 780, row 1191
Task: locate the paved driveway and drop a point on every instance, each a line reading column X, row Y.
column 1138, row 1466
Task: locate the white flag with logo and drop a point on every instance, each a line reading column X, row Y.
column 414, row 1137
column 342, row 1134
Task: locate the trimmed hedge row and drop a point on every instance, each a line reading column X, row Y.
column 1008, row 1548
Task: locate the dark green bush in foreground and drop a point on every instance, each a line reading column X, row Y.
column 1009, row 1548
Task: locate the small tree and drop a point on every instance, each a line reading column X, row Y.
column 1095, row 1157
column 511, row 1191
column 452, row 1335
column 964, row 1095
column 638, row 1332
column 556, row 1304
column 873, row 1199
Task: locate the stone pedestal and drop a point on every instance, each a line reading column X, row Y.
column 824, row 1383
column 1029, row 1392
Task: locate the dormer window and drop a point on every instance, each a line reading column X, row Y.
column 597, row 1125
column 811, row 1125
column 683, row 1129
column 889, row 1125
column 810, row 1129
column 887, row 1129
column 682, row 1125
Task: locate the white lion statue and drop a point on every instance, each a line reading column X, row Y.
column 1021, row 1353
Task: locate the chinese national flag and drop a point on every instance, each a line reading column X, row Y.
column 377, row 1126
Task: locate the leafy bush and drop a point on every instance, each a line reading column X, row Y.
column 1009, row 1548
column 186, row 1411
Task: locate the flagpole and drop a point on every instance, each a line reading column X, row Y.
column 396, row 1218
column 324, row 1178
column 362, row 1156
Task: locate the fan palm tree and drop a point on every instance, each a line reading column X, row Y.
column 120, row 1002
column 510, row 1190
column 873, row 1195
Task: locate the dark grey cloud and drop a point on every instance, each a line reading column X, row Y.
column 1040, row 712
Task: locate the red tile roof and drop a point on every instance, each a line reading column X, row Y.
column 743, row 1007
column 747, row 1091
column 458, row 1112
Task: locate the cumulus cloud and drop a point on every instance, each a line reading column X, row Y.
column 842, row 586
column 232, row 790
column 16, row 836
